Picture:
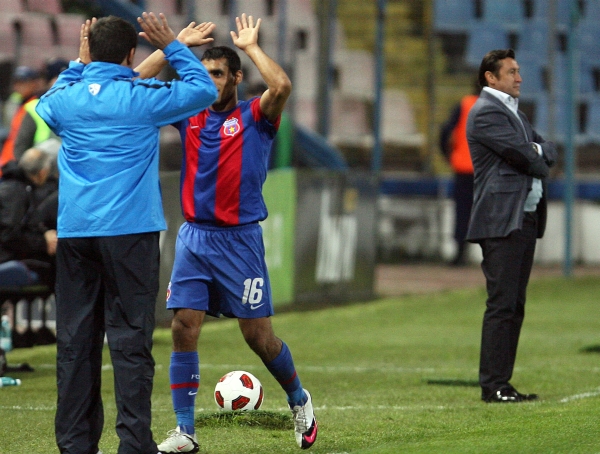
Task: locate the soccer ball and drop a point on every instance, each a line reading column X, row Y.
column 239, row 391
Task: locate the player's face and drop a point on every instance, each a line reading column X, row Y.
column 225, row 81
column 508, row 80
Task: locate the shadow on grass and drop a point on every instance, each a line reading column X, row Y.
column 453, row 382
column 261, row 419
column 590, row 349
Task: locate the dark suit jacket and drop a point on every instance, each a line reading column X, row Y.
column 505, row 162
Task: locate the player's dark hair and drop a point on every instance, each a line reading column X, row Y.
column 111, row 39
column 233, row 60
column 492, row 61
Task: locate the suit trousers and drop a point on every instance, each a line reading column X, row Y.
column 105, row 285
column 506, row 265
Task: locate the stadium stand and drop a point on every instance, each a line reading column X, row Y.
column 44, row 6
column 398, row 125
column 541, row 50
column 258, row 9
column 11, row 6
column 534, row 39
column 210, row 9
column 541, row 10
column 510, row 14
column 8, row 38
column 67, row 27
column 453, row 15
column 355, row 73
column 533, row 74
column 37, row 39
column 484, row 36
column 593, row 119
column 168, row 7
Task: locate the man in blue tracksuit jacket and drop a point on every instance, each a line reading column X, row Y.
column 110, row 215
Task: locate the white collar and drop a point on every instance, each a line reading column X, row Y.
column 508, row 100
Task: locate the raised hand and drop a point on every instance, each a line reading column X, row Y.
column 84, row 43
column 156, row 32
column 196, row 35
column 247, row 32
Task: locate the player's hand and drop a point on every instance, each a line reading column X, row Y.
column 84, row 43
column 247, row 32
column 156, row 30
column 196, row 35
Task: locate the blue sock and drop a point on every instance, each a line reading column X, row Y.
column 284, row 371
column 184, row 372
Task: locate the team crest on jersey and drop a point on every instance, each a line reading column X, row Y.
column 94, row 89
column 231, row 127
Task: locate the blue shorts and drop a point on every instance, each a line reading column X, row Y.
column 221, row 270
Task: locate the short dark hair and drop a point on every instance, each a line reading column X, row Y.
column 492, row 62
column 111, row 39
column 217, row 52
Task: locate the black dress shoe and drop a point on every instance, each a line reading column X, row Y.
column 525, row 396
column 509, row 395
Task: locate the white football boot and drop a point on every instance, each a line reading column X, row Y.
column 178, row 441
column 305, row 424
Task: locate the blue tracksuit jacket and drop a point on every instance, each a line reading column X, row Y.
column 109, row 125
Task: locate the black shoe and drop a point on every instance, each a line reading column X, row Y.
column 509, row 395
column 525, row 396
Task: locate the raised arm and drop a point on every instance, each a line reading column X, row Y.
column 279, row 86
column 192, row 35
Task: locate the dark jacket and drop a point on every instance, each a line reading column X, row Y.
column 21, row 226
column 505, row 162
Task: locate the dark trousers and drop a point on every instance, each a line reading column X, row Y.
column 463, row 201
column 105, row 285
column 506, row 265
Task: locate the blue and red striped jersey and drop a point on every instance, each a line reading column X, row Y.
column 225, row 159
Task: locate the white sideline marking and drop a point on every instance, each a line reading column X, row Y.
column 581, row 396
column 28, row 408
column 326, row 369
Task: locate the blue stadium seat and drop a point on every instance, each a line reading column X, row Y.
column 592, row 132
column 533, row 38
column 509, row 14
column 532, row 72
column 591, row 10
column 589, row 75
column 550, row 129
column 588, row 35
column 484, row 37
column 453, row 15
column 556, row 128
column 541, row 11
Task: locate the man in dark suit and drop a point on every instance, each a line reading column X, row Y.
column 511, row 163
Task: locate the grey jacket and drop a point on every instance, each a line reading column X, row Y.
column 504, row 161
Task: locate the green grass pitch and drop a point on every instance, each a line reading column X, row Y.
column 395, row 375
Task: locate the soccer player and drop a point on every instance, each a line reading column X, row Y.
column 219, row 260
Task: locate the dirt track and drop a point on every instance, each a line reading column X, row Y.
column 403, row 279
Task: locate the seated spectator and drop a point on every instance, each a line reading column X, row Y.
column 28, row 210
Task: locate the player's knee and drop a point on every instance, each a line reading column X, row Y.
column 186, row 325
